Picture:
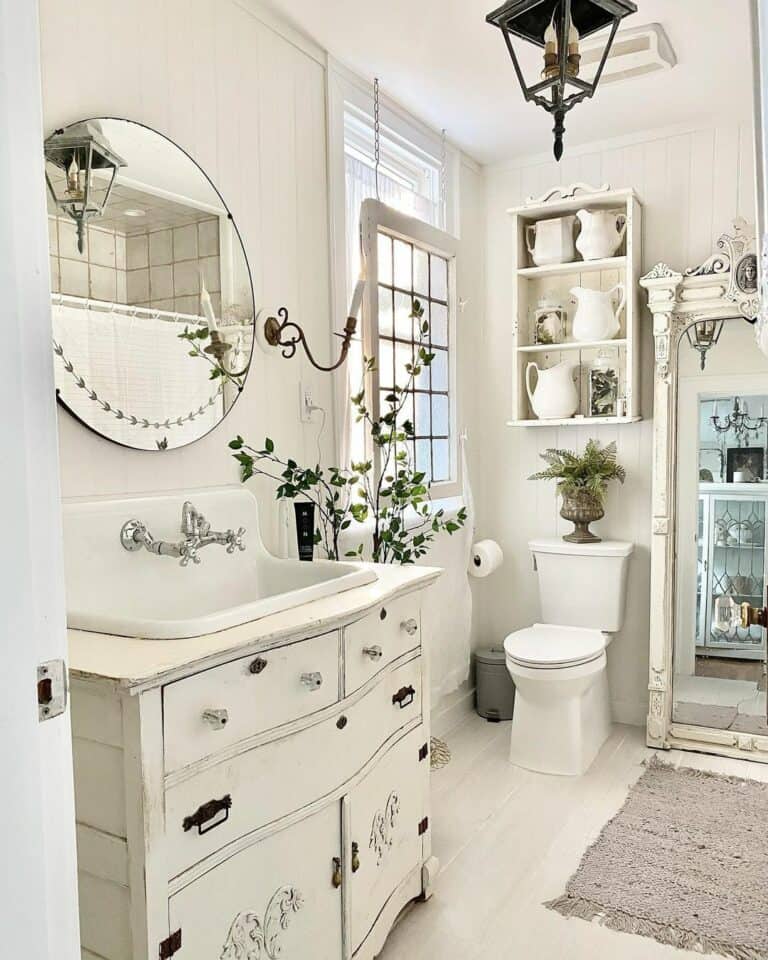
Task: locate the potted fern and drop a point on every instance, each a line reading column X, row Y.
column 582, row 482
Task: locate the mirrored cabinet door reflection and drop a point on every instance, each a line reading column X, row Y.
column 732, row 562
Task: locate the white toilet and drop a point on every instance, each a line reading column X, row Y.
column 562, row 710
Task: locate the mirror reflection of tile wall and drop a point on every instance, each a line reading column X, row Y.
column 159, row 269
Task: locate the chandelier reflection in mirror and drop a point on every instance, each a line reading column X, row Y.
column 153, row 312
column 738, row 421
column 557, row 27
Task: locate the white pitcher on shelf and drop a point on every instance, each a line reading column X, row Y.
column 555, row 396
column 596, row 318
column 551, row 241
column 601, row 233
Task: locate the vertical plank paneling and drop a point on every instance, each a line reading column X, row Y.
column 701, row 191
column 725, row 195
column 692, row 185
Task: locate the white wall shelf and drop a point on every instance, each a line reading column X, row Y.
column 555, row 282
column 573, row 422
column 570, row 345
column 574, row 266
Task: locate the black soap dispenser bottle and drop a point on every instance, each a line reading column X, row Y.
column 305, row 528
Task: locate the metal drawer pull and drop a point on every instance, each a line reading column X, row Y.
column 218, row 719
column 404, row 697
column 257, row 665
column 355, row 857
column 336, row 876
column 410, row 626
column 207, row 812
column 374, row 652
column 312, row 680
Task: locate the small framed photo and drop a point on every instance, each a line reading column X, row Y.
column 744, row 464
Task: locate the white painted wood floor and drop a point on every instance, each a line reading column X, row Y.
column 508, row 840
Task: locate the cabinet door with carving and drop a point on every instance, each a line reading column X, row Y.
column 279, row 897
column 387, row 826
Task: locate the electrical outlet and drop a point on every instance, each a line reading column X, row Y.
column 306, row 403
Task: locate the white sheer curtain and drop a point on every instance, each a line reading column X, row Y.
column 361, row 185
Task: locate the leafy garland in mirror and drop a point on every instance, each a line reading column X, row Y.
column 396, row 497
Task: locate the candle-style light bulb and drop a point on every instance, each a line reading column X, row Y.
column 73, row 177
column 574, row 56
column 550, row 37
column 551, row 68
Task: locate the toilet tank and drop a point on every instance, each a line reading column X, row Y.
column 582, row 584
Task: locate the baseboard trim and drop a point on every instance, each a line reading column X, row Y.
column 451, row 710
column 633, row 713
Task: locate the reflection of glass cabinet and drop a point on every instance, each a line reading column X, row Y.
column 731, row 561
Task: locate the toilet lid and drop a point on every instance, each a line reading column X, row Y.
column 545, row 645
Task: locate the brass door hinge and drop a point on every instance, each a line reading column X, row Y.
column 423, row 826
column 170, row 945
column 423, row 752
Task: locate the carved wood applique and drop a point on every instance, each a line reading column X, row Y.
column 383, row 828
column 250, row 939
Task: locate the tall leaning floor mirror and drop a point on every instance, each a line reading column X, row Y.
column 709, row 556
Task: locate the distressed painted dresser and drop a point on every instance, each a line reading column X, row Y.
column 260, row 792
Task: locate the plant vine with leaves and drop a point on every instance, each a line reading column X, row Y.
column 385, row 489
column 217, row 371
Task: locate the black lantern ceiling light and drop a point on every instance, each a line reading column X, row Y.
column 557, row 27
column 78, row 152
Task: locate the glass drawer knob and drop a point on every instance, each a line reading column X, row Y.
column 373, row 653
column 410, row 626
column 312, row 680
column 217, row 719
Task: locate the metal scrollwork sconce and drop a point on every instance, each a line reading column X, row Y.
column 288, row 335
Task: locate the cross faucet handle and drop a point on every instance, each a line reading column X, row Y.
column 235, row 540
column 188, row 551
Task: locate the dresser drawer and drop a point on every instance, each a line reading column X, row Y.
column 241, row 794
column 215, row 709
column 379, row 638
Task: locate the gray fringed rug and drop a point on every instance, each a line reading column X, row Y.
column 685, row 861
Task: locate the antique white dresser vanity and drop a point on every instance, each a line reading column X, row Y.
column 255, row 792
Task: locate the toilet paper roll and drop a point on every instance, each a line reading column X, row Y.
column 487, row 556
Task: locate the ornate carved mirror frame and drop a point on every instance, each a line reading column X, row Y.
column 677, row 300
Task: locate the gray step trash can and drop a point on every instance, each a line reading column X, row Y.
column 495, row 687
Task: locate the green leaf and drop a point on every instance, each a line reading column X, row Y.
column 269, row 445
column 237, row 443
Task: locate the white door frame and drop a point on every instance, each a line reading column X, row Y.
column 38, row 888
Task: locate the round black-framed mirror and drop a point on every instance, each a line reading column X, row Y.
column 152, row 294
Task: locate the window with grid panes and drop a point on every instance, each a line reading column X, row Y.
column 408, row 272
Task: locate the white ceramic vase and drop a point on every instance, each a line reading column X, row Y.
column 555, row 396
column 551, row 241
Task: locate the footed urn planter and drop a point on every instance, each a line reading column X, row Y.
column 582, row 509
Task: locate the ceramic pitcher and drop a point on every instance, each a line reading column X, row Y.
column 601, row 233
column 555, row 396
column 551, row 241
column 596, row 318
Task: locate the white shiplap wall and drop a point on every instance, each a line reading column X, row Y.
column 248, row 103
column 693, row 182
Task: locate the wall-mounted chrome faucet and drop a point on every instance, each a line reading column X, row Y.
column 197, row 534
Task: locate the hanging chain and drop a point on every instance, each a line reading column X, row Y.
column 443, row 178
column 376, row 133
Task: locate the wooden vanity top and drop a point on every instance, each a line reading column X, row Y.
column 137, row 664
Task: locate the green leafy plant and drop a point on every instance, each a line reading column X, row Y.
column 395, row 497
column 580, row 474
column 217, row 372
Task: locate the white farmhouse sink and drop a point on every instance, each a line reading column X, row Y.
column 139, row 594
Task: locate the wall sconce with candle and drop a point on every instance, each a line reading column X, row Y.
column 288, row 335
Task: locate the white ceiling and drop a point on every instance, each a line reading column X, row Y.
column 444, row 63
